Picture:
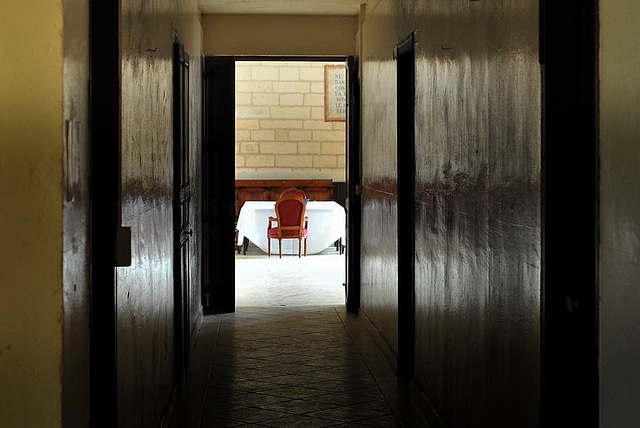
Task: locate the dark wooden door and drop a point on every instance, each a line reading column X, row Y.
column 352, row 202
column 181, row 211
column 219, row 185
column 406, row 196
column 104, row 208
column 570, row 219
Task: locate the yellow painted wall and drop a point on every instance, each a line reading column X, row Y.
column 30, row 213
column 279, row 35
column 619, row 212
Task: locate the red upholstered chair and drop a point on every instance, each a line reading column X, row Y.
column 290, row 223
column 293, row 191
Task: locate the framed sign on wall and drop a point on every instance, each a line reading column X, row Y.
column 335, row 93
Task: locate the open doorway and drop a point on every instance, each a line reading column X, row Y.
column 290, row 131
column 219, row 211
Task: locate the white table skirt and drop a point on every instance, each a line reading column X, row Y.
column 326, row 225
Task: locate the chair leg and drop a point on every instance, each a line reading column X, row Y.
column 299, row 247
column 268, row 246
column 280, row 247
column 305, row 246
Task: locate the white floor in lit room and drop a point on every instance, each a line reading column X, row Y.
column 314, row 280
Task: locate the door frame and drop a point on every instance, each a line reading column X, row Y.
column 181, row 275
column 104, row 208
column 404, row 55
column 209, row 263
column 218, row 202
column 353, row 203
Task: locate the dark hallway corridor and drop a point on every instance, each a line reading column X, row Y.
column 291, row 367
column 520, row 170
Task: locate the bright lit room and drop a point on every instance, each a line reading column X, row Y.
column 290, row 135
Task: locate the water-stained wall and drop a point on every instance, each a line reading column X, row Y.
column 145, row 319
column 477, row 201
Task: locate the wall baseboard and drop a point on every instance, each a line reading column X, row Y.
column 426, row 407
column 417, row 395
column 389, row 354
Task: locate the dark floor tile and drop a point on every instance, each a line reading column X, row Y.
column 377, row 404
column 244, row 385
column 344, row 399
column 308, row 378
column 366, row 390
column 349, row 425
column 215, row 422
column 346, row 385
column 348, row 414
column 238, row 363
column 290, row 368
column 299, row 421
column 295, row 392
column 222, row 392
column 297, row 406
column 251, row 415
column 286, row 367
column 382, row 422
column 215, row 407
column 244, row 373
column 255, row 399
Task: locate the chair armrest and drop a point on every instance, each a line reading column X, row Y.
column 306, row 222
column 271, row 220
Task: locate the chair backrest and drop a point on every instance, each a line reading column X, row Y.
column 290, row 211
column 293, row 191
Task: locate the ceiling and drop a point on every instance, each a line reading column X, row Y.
column 282, row 7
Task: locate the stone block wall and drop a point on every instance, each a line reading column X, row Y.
column 281, row 132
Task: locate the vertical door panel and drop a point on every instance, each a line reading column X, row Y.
column 406, row 195
column 219, row 185
column 104, row 207
column 570, row 217
column 181, row 212
column 352, row 204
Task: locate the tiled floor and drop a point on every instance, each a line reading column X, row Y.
column 310, row 365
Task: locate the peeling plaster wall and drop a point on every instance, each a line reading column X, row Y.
column 145, row 290
column 478, row 248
